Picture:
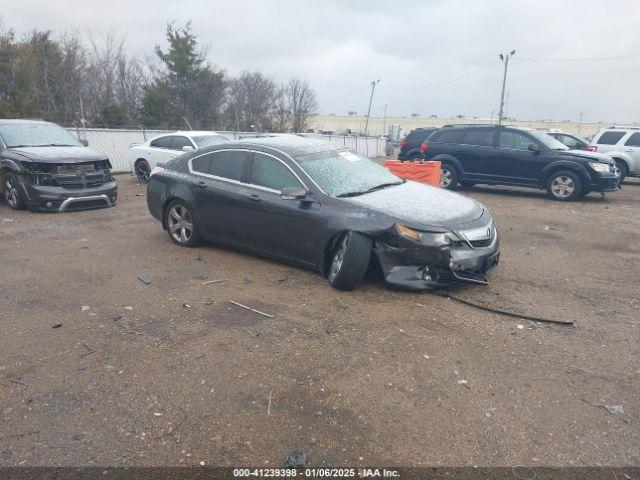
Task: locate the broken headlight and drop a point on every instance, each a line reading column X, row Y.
column 599, row 167
column 433, row 239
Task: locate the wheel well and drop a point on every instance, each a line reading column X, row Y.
column 560, row 168
column 624, row 163
column 330, row 248
column 165, row 205
column 3, row 172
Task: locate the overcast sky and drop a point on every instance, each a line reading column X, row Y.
column 418, row 49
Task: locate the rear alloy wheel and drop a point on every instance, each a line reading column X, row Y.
column 181, row 225
column 564, row 186
column 350, row 261
column 12, row 192
column 448, row 176
column 143, row 171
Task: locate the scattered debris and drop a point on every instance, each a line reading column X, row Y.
column 612, row 409
column 269, row 406
column 445, row 294
column 6, row 219
column 89, row 350
column 215, row 281
column 464, row 383
column 128, row 308
column 144, row 279
column 247, row 280
column 295, row 460
column 252, row 309
column 84, row 308
column 83, row 366
column 117, row 317
column 202, row 463
column 520, row 327
column 56, row 325
column 207, row 302
column 157, row 414
column 199, row 258
column 16, row 381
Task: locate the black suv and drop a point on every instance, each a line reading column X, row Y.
column 43, row 168
column 504, row 155
column 410, row 146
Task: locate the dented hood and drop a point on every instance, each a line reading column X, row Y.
column 421, row 204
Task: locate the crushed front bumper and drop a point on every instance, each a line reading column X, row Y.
column 416, row 267
column 607, row 182
column 57, row 199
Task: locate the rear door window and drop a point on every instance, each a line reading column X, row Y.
column 162, row 142
column 514, row 140
column 633, row 140
column 227, row 164
column 610, row 138
column 269, row 172
column 179, row 141
column 481, row 137
column 448, row 135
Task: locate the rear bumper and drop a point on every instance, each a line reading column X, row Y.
column 57, row 199
column 428, row 267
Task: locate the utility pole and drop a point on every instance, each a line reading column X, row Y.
column 373, row 87
column 580, row 124
column 504, row 59
column 384, row 121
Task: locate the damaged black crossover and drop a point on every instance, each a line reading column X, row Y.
column 326, row 208
column 44, row 168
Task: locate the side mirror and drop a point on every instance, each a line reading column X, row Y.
column 293, row 194
column 534, row 147
column 84, row 142
column 187, row 148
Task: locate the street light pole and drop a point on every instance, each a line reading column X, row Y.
column 580, row 124
column 373, row 87
column 505, row 60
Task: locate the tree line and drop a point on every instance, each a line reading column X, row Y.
column 97, row 83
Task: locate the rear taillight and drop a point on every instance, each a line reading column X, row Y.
column 402, row 143
column 592, row 148
column 423, row 148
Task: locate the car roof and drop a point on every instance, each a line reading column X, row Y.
column 22, row 121
column 287, row 143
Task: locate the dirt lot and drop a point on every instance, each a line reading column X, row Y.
column 372, row 377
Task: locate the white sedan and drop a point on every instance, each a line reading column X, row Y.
column 143, row 157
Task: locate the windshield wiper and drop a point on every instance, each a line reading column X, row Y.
column 56, row 145
column 369, row 190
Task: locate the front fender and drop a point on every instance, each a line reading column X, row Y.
column 577, row 168
column 444, row 157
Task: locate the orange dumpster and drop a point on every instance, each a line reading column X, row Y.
column 423, row 172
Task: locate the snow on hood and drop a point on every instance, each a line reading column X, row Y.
column 77, row 154
column 421, row 204
column 598, row 157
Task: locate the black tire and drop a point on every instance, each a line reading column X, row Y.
column 415, row 158
column 12, row 191
column 468, row 184
column 448, row 176
column 181, row 224
column 350, row 261
column 142, row 170
column 624, row 170
column 564, row 186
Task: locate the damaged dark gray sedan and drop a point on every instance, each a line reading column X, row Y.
column 323, row 207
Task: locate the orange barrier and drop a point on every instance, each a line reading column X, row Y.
column 423, row 172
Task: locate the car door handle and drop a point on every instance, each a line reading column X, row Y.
column 201, row 184
column 253, row 197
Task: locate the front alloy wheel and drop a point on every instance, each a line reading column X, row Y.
column 143, row 171
column 448, row 176
column 564, row 186
column 181, row 225
column 350, row 261
column 11, row 192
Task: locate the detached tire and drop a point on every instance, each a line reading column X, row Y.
column 12, row 193
column 448, row 176
column 564, row 186
column 350, row 261
column 181, row 225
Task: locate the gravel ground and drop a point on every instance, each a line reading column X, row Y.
column 98, row 368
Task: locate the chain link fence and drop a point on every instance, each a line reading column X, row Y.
column 115, row 143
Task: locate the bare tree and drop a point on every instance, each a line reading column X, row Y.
column 302, row 103
column 250, row 101
column 281, row 110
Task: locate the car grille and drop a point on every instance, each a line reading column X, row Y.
column 77, row 182
column 480, row 237
column 482, row 243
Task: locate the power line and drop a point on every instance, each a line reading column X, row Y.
column 593, row 59
column 451, row 80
